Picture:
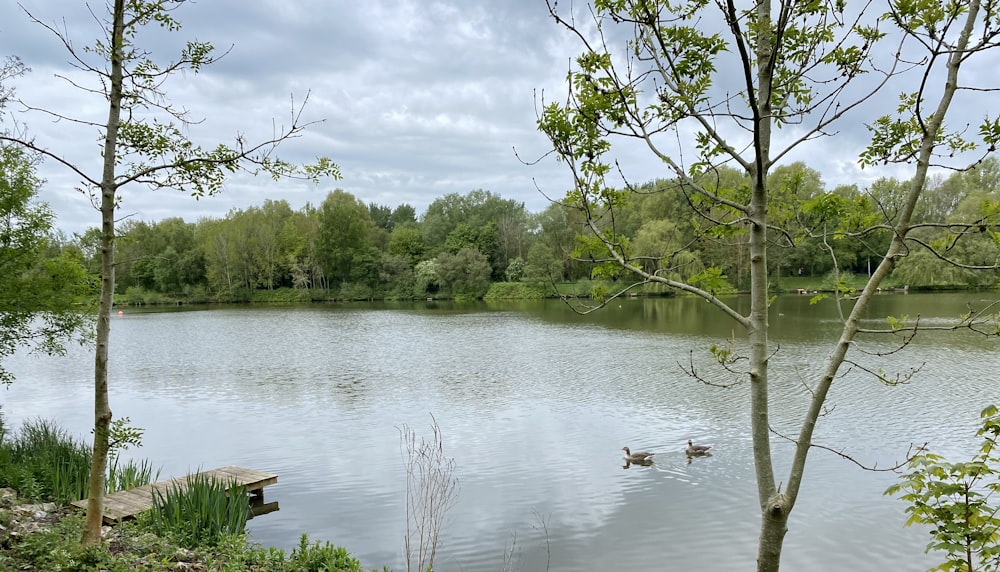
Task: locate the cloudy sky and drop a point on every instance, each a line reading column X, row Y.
column 415, row 98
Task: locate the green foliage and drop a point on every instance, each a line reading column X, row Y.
column 44, row 463
column 515, row 270
column 200, row 511
column 132, row 474
column 58, row 549
column 712, row 280
column 514, row 291
column 121, row 436
column 896, row 323
column 41, row 285
column 466, row 273
column 957, row 501
column 345, row 230
column 280, row 296
column 318, row 557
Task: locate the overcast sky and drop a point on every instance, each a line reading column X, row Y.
column 417, row 99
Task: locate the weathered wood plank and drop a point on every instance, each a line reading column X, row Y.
column 127, row 504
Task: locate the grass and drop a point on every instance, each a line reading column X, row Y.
column 44, row 463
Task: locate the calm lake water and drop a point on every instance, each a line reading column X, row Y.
column 534, row 403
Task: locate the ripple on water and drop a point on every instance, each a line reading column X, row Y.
column 535, row 414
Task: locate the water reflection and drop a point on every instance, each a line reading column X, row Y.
column 533, row 402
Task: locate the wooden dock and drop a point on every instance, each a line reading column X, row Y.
column 123, row 505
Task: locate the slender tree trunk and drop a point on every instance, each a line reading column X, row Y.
column 102, row 407
column 896, row 249
column 773, row 505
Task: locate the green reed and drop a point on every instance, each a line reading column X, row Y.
column 44, row 463
column 122, row 477
column 200, row 511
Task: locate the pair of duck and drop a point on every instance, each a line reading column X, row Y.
column 646, row 456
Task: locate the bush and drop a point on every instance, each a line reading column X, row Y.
column 280, row 296
column 322, row 557
column 514, row 291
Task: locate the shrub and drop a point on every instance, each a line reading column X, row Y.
column 322, row 557
column 514, row 291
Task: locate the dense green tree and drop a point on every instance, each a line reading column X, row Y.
column 407, row 241
column 381, row 216
column 461, row 237
column 345, row 230
column 542, row 266
column 302, row 230
column 397, row 279
column 465, row 273
column 43, row 294
column 426, row 278
column 557, row 229
column 403, row 214
column 273, row 244
column 366, row 270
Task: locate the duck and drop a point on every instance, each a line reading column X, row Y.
column 638, row 456
column 693, row 449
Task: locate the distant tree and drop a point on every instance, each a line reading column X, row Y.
column 403, row 214
column 542, row 266
column 515, row 270
column 466, row 273
column 397, row 277
column 461, row 237
column 381, row 216
column 366, row 270
column 407, row 241
column 558, row 227
column 426, row 278
column 140, row 148
column 345, row 230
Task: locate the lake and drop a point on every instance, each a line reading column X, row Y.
column 534, row 403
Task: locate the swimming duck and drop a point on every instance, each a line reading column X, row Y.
column 638, row 456
column 693, row 449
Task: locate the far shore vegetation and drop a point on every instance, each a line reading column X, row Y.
column 482, row 246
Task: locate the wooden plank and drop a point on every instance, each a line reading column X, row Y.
column 126, row 504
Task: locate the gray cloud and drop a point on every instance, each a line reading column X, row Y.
column 413, row 99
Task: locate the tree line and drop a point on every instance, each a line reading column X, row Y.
column 347, row 249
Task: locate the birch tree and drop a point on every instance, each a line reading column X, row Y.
column 707, row 86
column 143, row 144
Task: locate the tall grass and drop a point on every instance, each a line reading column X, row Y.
column 200, row 511
column 122, row 477
column 44, row 463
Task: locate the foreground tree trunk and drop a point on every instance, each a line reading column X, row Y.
column 102, row 406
